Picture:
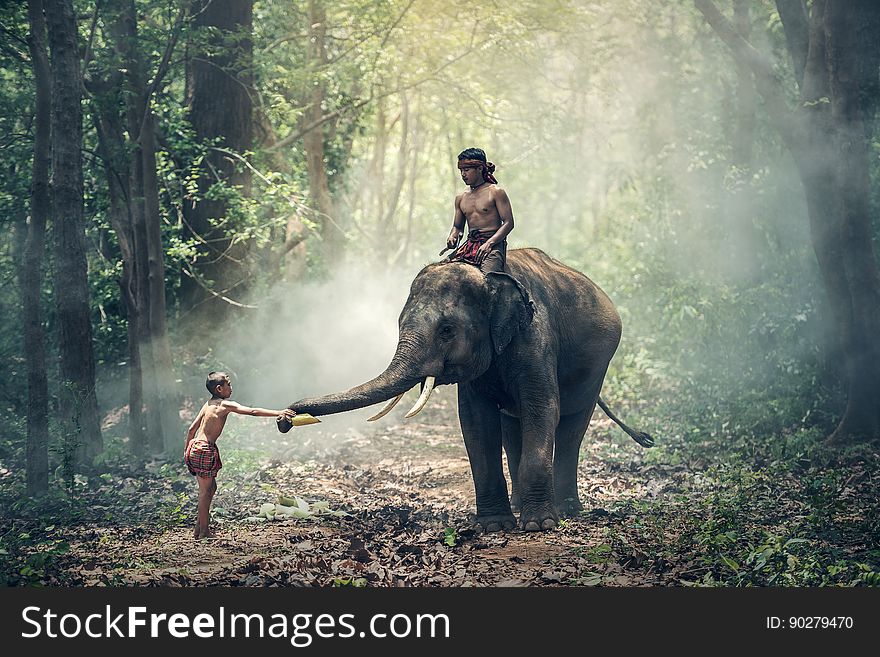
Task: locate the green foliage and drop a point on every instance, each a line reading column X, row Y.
column 42, row 556
column 596, row 554
column 614, row 128
column 355, row 582
column 174, row 513
column 32, row 533
column 38, row 535
column 792, row 513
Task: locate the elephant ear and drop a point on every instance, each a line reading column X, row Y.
column 512, row 310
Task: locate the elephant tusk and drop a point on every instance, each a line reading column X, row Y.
column 386, row 408
column 423, row 399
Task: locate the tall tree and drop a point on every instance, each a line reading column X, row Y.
column 148, row 236
column 219, row 87
column 313, row 139
column 113, row 155
column 740, row 206
column 128, row 147
column 827, row 138
column 32, row 316
column 78, row 402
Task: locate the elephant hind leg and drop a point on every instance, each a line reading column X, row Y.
column 569, row 435
column 511, row 438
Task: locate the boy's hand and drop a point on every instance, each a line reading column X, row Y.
column 285, row 420
column 453, row 240
column 484, row 250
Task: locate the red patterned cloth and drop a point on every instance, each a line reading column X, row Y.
column 486, row 167
column 203, row 458
column 496, row 258
column 467, row 252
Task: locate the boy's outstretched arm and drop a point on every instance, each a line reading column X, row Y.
column 241, row 409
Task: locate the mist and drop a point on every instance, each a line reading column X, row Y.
column 615, row 134
column 298, row 162
column 311, row 339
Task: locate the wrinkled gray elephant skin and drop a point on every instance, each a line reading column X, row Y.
column 529, row 351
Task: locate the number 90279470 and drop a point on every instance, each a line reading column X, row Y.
column 820, row 622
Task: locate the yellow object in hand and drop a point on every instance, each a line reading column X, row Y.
column 302, row 419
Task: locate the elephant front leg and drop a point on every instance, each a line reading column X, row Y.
column 481, row 428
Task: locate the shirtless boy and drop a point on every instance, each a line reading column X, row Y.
column 486, row 209
column 201, row 454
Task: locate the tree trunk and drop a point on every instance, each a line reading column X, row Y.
column 389, row 226
column 861, row 418
column 377, row 182
column 827, row 139
column 832, row 159
column 313, row 141
column 293, row 250
column 744, row 138
column 32, row 316
column 403, row 252
column 219, row 84
column 168, row 402
column 795, row 24
column 78, row 403
column 743, row 245
column 112, row 147
column 140, row 273
column 157, row 379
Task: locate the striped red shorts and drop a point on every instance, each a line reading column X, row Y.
column 203, row 458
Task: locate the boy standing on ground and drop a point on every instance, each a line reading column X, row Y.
column 486, row 209
column 201, row 454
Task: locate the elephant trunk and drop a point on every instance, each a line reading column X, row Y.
column 397, row 378
column 383, row 387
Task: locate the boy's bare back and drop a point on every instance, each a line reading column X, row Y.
column 212, row 419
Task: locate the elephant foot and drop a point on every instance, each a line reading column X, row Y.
column 569, row 507
column 497, row 523
column 540, row 519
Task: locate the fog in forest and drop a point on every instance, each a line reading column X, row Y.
column 251, row 187
column 616, row 140
column 322, row 337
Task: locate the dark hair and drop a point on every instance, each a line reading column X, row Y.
column 214, row 381
column 473, row 154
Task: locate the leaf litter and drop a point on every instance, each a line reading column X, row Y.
column 390, row 505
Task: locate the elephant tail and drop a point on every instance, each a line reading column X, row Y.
column 642, row 438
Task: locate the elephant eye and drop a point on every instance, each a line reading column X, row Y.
column 446, row 331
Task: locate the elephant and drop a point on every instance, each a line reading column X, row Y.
column 528, row 349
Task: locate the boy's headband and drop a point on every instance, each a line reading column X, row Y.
column 487, row 167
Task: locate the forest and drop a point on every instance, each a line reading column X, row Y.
column 250, row 186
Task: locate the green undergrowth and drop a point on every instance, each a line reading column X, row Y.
column 118, row 500
column 772, row 510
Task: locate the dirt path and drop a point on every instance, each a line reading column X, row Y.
column 408, row 490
